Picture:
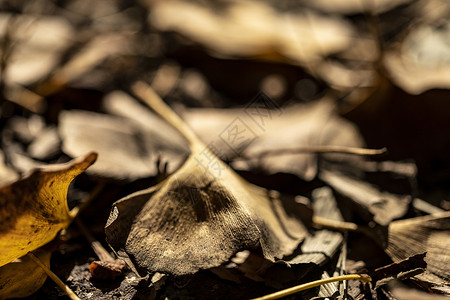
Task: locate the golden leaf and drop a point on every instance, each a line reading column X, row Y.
column 23, row 277
column 34, row 209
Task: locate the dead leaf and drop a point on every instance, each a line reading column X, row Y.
column 403, row 292
column 34, row 209
column 321, row 245
column 38, row 43
column 428, row 234
column 254, row 29
column 199, row 216
column 129, row 147
column 263, row 126
column 422, row 61
column 371, row 202
column 402, row 269
column 23, row 277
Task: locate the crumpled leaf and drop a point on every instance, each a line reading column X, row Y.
column 128, row 148
column 428, row 234
column 34, row 209
column 199, row 216
column 23, row 277
column 262, row 126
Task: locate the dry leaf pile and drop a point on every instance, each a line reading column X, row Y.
column 183, row 149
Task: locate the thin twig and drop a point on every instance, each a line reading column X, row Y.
column 302, row 287
column 54, row 277
column 337, row 225
column 149, row 96
column 316, row 149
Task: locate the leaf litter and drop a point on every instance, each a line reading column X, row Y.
column 354, row 71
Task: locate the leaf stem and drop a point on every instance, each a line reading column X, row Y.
column 316, row 149
column 54, row 277
column 144, row 92
column 337, row 225
column 99, row 250
column 305, row 286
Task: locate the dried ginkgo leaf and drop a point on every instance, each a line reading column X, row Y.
column 34, row 209
column 23, row 277
column 199, row 216
column 263, row 127
column 428, row 234
column 129, row 145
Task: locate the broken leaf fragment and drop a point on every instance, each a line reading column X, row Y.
column 201, row 215
column 34, row 209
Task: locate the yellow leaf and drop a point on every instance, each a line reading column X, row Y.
column 34, row 209
column 23, row 277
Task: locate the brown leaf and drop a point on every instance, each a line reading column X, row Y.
column 319, row 246
column 127, row 150
column 254, row 29
column 382, row 206
column 200, row 216
column 266, row 127
column 34, row 209
column 421, row 63
column 428, row 234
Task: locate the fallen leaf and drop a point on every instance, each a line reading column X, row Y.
column 403, row 292
column 428, row 234
column 402, row 269
column 422, row 61
column 34, row 209
column 263, row 126
column 128, row 149
column 23, row 277
column 371, row 202
column 37, row 43
column 254, row 29
column 321, row 245
column 199, row 216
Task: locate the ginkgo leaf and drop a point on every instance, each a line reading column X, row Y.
column 264, row 127
column 428, row 234
column 201, row 215
column 129, row 145
column 34, row 209
column 23, row 277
